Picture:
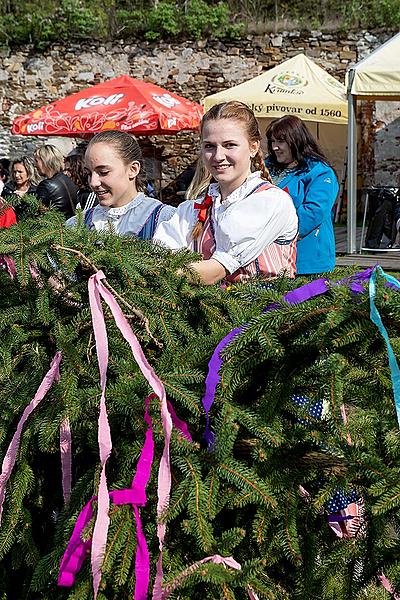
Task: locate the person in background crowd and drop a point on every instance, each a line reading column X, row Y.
column 3, row 179
column 23, row 180
column 7, row 215
column 298, row 165
column 74, row 167
column 56, row 190
column 184, row 179
column 4, row 172
column 240, row 223
column 114, row 163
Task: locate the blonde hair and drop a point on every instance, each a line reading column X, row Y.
column 51, row 157
column 29, row 166
column 235, row 111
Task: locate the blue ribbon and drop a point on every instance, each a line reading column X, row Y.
column 376, row 319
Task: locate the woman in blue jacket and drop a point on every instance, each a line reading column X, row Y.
column 298, row 165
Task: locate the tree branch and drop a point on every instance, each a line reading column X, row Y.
column 136, row 312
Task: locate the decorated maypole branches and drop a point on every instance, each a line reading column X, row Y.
column 298, row 406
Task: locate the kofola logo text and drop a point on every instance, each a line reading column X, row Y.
column 35, row 127
column 98, row 101
column 287, row 82
column 166, row 100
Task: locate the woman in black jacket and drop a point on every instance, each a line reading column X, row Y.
column 57, row 189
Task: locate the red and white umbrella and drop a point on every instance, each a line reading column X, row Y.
column 122, row 103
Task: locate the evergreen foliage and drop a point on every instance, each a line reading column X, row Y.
column 241, row 500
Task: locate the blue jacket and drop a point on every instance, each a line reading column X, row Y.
column 313, row 190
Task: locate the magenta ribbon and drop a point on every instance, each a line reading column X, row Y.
column 301, row 294
column 10, row 457
column 78, row 549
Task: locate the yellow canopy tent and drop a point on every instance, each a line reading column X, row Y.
column 300, row 87
column 376, row 77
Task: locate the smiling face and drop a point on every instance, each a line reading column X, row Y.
column 113, row 181
column 282, row 151
column 227, row 152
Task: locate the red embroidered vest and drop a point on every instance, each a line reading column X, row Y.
column 276, row 259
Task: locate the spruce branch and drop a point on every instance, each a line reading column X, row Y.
column 138, row 313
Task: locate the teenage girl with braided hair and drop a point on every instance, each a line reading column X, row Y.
column 240, row 223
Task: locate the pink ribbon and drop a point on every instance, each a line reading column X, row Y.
column 77, row 549
column 7, row 263
column 9, row 460
column 388, row 586
column 226, row 561
column 66, row 458
column 104, row 436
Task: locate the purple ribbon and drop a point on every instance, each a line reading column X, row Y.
column 297, row 296
column 339, row 519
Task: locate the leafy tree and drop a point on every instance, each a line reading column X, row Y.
column 50, row 21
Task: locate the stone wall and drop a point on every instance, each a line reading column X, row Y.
column 28, row 79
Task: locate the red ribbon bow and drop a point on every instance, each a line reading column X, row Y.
column 203, row 207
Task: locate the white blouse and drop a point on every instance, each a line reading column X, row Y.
column 244, row 223
column 128, row 219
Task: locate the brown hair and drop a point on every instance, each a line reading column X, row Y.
column 74, row 164
column 127, row 148
column 235, row 111
column 295, row 133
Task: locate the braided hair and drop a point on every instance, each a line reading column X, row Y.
column 235, row 111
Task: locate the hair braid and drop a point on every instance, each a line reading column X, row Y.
column 197, row 230
column 258, row 164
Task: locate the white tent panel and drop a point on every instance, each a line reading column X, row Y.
column 379, row 73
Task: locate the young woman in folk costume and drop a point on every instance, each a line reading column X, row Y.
column 240, row 223
column 114, row 164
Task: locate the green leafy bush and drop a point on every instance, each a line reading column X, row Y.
column 380, row 13
column 168, row 20
column 48, row 21
column 202, row 19
column 162, row 21
column 43, row 25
